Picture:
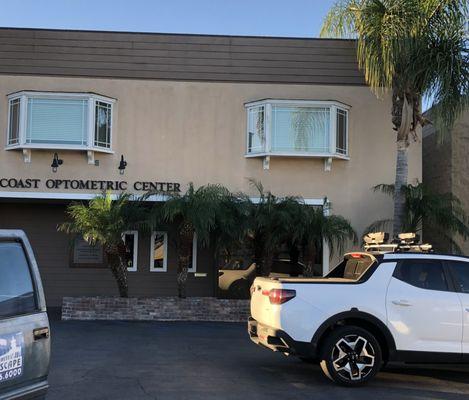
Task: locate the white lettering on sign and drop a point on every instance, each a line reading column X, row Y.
column 11, row 356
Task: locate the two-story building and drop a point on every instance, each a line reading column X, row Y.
column 293, row 113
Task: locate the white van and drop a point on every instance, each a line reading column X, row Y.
column 24, row 326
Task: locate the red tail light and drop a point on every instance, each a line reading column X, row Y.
column 280, row 296
column 356, row 255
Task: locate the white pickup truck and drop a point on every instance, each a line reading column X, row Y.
column 372, row 308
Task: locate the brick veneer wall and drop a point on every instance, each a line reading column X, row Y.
column 155, row 309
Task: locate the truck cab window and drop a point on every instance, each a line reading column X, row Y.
column 424, row 274
column 461, row 273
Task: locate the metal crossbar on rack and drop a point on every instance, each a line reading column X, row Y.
column 405, row 242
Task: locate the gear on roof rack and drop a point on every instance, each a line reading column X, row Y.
column 378, row 242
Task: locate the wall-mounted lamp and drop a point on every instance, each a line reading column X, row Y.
column 56, row 162
column 122, row 165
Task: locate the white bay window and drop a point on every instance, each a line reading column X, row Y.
column 69, row 121
column 297, row 128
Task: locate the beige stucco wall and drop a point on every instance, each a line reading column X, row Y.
column 195, row 132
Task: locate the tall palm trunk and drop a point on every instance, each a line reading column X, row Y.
column 119, row 271
column 403, row 121
column 309, row 259
column 267, row 263
column 183, row 262
column 259, row 252
column 401, row 180
column 186, row 236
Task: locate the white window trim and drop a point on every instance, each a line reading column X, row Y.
column 193, row 267
column 268, row 103
column 346, row 134
column 9, row 122
column 92, row 98
column 152, row 251
column 135, row 249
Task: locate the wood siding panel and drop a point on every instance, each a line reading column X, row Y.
column 169, row 61
column 178, row 57
column 183, row 56
column 207, row 69
column 52, row 251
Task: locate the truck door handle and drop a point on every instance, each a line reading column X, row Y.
column 402, row 303
column 41, row 333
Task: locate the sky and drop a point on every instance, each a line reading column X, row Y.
column 294, row 18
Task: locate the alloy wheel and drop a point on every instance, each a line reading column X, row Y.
column 353, row 357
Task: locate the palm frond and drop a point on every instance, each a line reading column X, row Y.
column 415, row 47
column 103, row 219
column 384, row 188
column 425, row 208
column 382, row 225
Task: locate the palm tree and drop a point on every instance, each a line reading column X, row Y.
column 415, row 48
column 317, row 228
column 423, row 207
column 270, row 221
column 196, row 212
column 102, row 221
column 232, row 223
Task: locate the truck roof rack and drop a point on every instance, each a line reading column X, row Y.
column 378, row 242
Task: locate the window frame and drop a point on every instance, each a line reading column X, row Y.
column 134, row 233
column 152, row 251
column 15, row 100
column 94, row 141
column 193, row 267
column 90, row 132
column 346, row 113
column 333, row 106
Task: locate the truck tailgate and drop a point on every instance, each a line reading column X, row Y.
column 261, row 309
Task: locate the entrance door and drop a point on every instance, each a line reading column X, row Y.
column 24, row 342
column 423, row 314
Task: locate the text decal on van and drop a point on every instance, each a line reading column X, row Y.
column 11, row 356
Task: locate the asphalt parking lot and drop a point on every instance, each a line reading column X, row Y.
column 186, row 360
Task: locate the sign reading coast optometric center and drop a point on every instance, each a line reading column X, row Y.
column 88, row 184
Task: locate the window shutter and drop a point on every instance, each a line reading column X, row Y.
column 60, row 121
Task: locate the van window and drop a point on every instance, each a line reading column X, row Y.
column 16, row 286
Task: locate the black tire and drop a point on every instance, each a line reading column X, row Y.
column 350, row 356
